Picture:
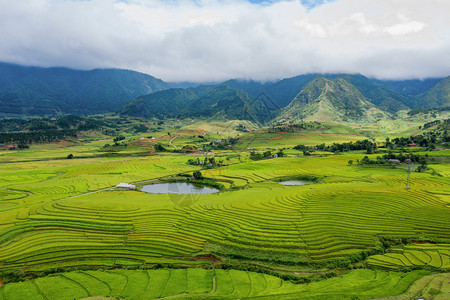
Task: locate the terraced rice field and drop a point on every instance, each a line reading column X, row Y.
column 434, row 286
column 436, row 256
column 50, row 217
column 200, row 284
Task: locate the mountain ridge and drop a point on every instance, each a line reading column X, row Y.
column 40, row 91
column 326, row 99
column 56, row 91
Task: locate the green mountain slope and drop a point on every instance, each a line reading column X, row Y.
column 225, row 101
column 382, row 97
column 410, row 88
column 222, row 101
column 331, row 100
column 39, row 91
column 164, row 104
column 437, row 96
column 282, row 92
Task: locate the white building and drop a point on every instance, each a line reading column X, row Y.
column 125, row 186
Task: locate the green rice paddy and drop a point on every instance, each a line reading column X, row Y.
column 65, row 213
column 201, row 284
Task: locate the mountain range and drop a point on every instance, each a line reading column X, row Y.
column 320, row 97
column 342, row 97
column 48, row 91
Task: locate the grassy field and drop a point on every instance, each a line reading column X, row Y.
column 65, row 213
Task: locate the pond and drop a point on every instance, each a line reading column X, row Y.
column 182, row 188
column 296, row 182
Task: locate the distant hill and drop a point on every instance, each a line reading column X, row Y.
column 232, row 103
column 326, row 99
column 221, row 101
column 382, row 97
column 438, row 96
column 282, row 92
column 41, row 91
column 409, row 88
column 164, row 104
column 54, row 91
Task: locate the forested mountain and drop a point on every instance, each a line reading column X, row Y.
column 382, row 97
column 326, row 99
column 221, row 101
column 41, row 91
column 282, row 92
column 164, row 104
column 437, row 96
column 225, row 101
column 343, row 97
column 409, row 88
column 49, row 91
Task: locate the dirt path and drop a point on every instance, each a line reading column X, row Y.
column 170, row 142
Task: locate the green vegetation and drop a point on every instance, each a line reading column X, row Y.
column 436, row 256
column 200, row 284
column 356, row 233
column 331, row 100
column 54, row 91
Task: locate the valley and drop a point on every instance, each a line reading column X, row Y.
column 224, row 149
column 67, row 232
column 116, row 184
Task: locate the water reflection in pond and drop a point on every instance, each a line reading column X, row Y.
column 181, row 188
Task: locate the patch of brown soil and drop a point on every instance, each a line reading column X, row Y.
column 422, row 242
column 208, row 257
column 65, row 143
column 1, row 282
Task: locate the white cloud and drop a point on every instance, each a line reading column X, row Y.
column 214, row 40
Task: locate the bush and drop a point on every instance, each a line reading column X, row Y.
column 198, row 175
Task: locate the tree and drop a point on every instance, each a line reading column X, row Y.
column 280, row 153
column 159, row 148
column 350, row 162
column 197, row 175
column 70, row 156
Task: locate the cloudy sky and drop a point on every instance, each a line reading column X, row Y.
column 212, row 40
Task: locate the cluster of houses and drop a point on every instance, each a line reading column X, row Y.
column 7, row 147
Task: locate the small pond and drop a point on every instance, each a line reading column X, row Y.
column 177, row 188
column 296, row 182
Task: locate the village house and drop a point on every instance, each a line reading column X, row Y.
column 394, row 161
column 125, row 186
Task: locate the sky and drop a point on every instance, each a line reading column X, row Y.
column 214, row 40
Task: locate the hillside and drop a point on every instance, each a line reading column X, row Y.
column 331, row 100
column 228, row 102
column 222, row 101
column 281, row 93
column 411, row 88
column 437, row 96
column 168, row 103
column 43, row 91
column 382, row 97
column 56, row 91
